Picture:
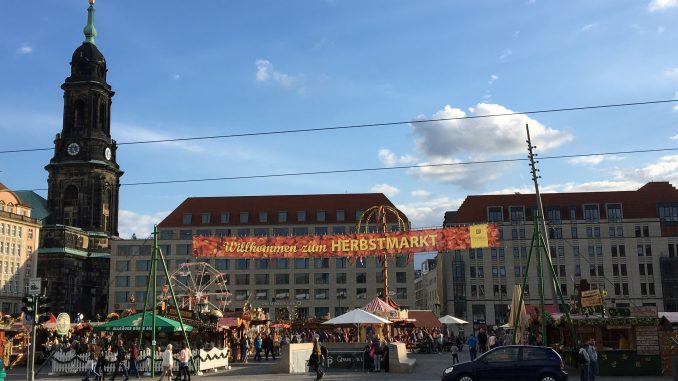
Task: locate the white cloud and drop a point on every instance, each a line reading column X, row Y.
column 660, row 5
column 176, row 77
column 420, row 193
column 588, row 27
column 661, row 29
column 25, row 48
column 140, row 225
column 665, row 169
column 390, row 159
column 483, row 137
column 594, row 159
column 388, row 190
column 671, row 72
column 429, row 213
column 505, row 54
column 600, row 186
column 466, row 176
column 493, row 78
column 267, row 73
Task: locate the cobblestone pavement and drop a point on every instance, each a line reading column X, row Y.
column 428, row 367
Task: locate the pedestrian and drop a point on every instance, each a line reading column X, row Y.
column 593, row 360
column 102, row 362
column 472, row 346
column 378, row 352
column 455, row 354
column 583, row 359
column 268, row 346
column 167, row 363
column 492, row 341
column 317, row 359
column 133, row 357
column 482, row 341
column 119, row 362
column 257, row 348
column 184, row 363
column 244, row 348
column 439, row 339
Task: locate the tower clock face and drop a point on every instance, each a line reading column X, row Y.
column 107, row 153
column 73, row 149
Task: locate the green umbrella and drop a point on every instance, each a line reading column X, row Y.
column 134, row 323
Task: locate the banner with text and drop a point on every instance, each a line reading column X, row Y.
column 348, row 245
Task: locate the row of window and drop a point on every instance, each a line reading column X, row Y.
column 11, row 248
column 263, row 217
column 187, row 234
column 266, row 264
column 554, row 214
column 278, row 279
column 282, row 294
column 560, row 270
column 11, row 230
column 642, row 250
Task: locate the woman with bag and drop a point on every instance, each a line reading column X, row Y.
column 317, row 359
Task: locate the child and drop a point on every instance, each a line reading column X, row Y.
column 455, row 354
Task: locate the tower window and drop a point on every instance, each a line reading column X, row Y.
column 79, row 114
column 70, row 202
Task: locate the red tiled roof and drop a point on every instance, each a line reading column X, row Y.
column 641, row 203
column 424, row 318
column 330, row 203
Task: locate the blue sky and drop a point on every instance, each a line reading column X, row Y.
column 199, row 68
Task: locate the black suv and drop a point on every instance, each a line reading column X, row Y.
column 512, row 362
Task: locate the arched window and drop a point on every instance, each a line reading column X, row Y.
column 79, row 114
column 70, row 211
column 2, row 205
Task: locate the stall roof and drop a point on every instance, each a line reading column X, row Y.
column 672, row 317
column 424, row 318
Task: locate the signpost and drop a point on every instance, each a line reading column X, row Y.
column 34, row 286
column 591, row 298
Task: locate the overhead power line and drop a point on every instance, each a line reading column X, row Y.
column 374, row 169
column 368, row 125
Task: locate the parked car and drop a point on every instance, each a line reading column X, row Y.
column 512, row 362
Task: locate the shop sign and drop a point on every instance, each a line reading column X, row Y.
column 647, row 340
column 644, row 311
column 348, row 245
column 591, row 298
column 345, row 360
column 63, row 324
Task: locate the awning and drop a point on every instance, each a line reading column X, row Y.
column 136, row 321
column 424, row 318
column 532, row 309
column 228, row 322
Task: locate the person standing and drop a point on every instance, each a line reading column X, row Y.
column 167, row 363
column 482, row 341
column 244, row 348
column 119, row 362
column 492, row 341
column 268, row 346
column 317, row 359
column 472, row 346
column 583, row 357
column 593, row 360
column 455, row 354
column 257, row 347
column 133, row 357
column 184, row 361
column 378, row 352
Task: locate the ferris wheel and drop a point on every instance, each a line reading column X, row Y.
column 200, row 287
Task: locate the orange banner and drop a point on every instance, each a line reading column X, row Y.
column 348, row 245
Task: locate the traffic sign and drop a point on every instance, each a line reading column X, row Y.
column 34, row 286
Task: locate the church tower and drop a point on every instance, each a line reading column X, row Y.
column 84, row 177
column 83, row 184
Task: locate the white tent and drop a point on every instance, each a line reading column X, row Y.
column 447, row 319
column 357, row 316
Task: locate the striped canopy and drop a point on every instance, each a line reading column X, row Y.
column 378, row 305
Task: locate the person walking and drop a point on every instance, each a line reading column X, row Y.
column 378, row 352
column 184, row 373
column 317, row 359
column 267, row 344
column 119, row 362
column 133, row 357
column 167, row 363
column 244, row 348
column 472, row 346
column 593, row 360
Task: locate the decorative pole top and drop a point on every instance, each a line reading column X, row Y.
column 90, row 31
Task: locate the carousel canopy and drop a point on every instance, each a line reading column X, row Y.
column 134, row 323
column 378, row 305
column 357, row 316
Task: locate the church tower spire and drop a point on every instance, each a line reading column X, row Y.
column 84, row 176
column 90, row 31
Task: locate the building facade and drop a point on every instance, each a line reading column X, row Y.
column 83, row 185
column 426, row 287
column 19, row 233
column 284, row 288
column 613, row 241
